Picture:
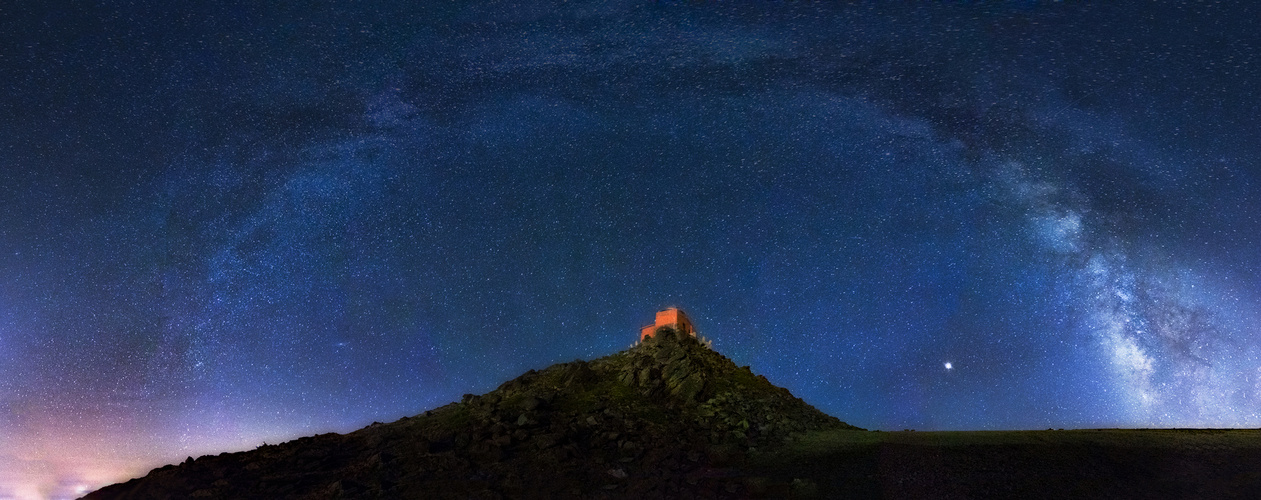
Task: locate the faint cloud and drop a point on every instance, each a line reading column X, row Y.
column 387, row 109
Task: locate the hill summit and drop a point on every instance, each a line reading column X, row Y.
column 668, row 417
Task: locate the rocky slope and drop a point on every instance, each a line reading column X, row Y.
column 666, row 418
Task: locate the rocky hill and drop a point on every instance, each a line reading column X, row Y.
column 666, row 418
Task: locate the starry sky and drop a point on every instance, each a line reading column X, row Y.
column 244, row 223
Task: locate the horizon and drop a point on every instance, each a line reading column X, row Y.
column 234, row 225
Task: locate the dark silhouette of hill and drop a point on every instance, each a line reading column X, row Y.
column 670, row 418
column 1046, row 464
column 666, row 418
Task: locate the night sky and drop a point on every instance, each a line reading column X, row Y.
column 239, row 224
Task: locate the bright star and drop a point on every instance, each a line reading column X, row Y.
column 949, row 366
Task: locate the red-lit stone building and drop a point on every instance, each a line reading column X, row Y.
column 673, row 318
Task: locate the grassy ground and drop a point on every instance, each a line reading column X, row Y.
column 1102, row 463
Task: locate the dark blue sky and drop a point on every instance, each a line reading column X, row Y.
column 236, row 224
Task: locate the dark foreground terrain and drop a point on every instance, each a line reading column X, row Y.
column 1103, row 463
column 671, row 418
